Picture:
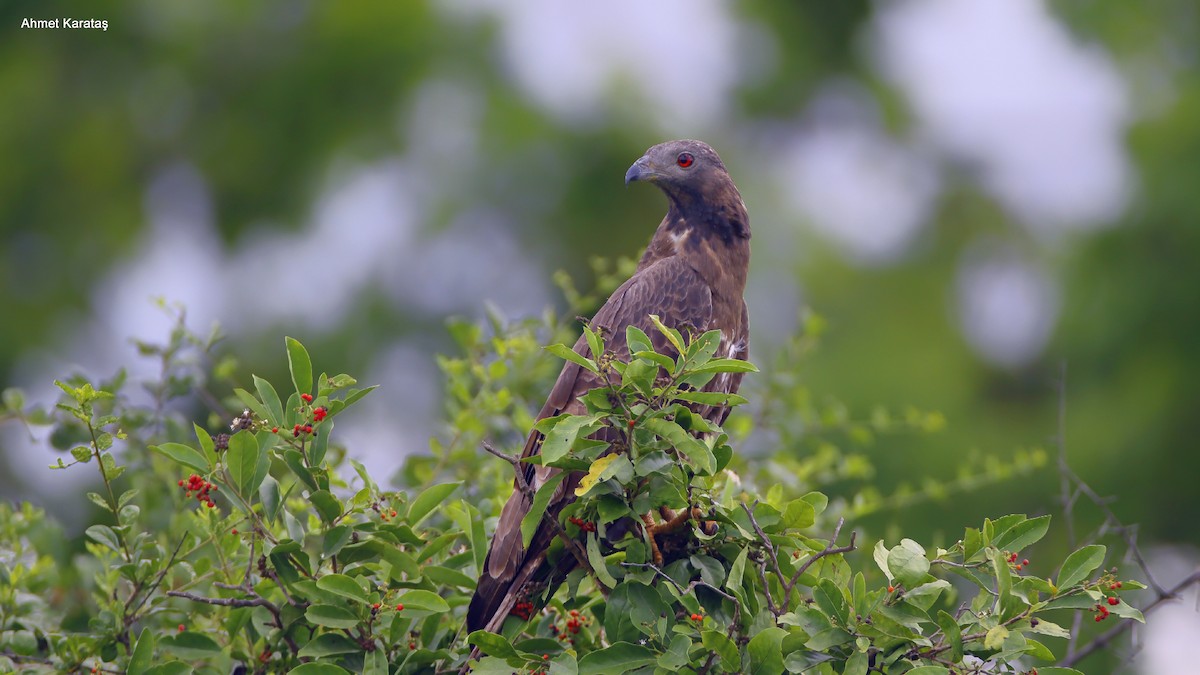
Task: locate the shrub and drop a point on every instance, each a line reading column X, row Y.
column 265, row 548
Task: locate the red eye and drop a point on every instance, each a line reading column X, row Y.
column 685, row 159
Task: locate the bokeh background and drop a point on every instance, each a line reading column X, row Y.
column 972, row 194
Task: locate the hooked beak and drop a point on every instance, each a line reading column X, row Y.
column 641, row 170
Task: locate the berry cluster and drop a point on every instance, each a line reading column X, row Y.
column 574, row 622
column 301, row 429
column 697, row 617
column 320, row 413
column 1011, row 558
column 583, row 524
column 201, row 487
column 523, row 610
column 1101, row 610
column 385, row 514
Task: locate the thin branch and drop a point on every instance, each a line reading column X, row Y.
column 224, row 602
column 788, row 584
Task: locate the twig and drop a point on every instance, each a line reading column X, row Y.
column 789, row 584
column 1113, row 633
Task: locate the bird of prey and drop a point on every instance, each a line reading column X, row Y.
column 692, row 276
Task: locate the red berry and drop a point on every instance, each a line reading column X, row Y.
column 234, row 530
column 319, row 413
column 307, row 398
column 181, row 483
column 1113, row 601
column 891, row 589
column 1118, row 584
column 400, row 608
column 375, row 606
column 1099, row 617
column 274, row 430
column 1025, row 561
column 181, row 628
column 545, row 657
column 1018, row 568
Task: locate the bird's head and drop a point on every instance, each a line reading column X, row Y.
column 679, row 167
column 696, row 184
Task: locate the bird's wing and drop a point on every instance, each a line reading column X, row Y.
column 674, row 292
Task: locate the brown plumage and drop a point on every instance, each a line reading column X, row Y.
column 692, row 275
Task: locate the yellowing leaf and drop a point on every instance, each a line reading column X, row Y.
column 594, row 473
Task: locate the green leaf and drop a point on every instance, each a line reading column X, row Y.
column 597, row 562
column 881, row 555
column 857, row 664
column 316, row 668
column 818, row 501
column 270, row 398
column 562, row 436
column 268, row 494
column 244, row 458
column 1127, row 611
column 671, row 334
column 564, row 352
column 328, row 506
column 1051, row 629
column 529, row 524
column 331, row 616
column 1038, row 650
column 995, row 637
column 953, row 633
column 677, row 654
column 766, row 651
column 340, row 584
column 716, row 641
column 170, row 668
column 329, row 644
column 831, row 601
column 637, row 340
column 252, row 403
column 929, row 670
column 1079, row 565
column 1057, row 670
column 697, row 452
column 1003, row 578
column 190, row 645
column 143, row 654
column 620, row 657
column 595, row 343
column 182, row 454
column 726, row 366
column 493, row 644
column 423, row 600
column 1023, row 534
column 908, row 563
column 710, row 398
column 428, row 500
column 104, row 535
column 738, row 569
column 300, row 366
column 798, row 515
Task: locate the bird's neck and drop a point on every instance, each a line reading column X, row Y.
column 712, row 235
